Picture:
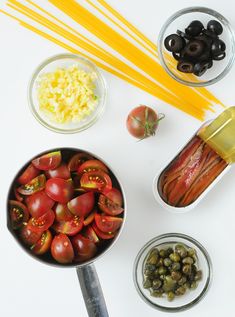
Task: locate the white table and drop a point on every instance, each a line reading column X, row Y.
column 29, row 288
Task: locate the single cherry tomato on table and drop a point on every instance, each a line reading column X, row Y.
column 18, row 214
column 96, row 181
column 91, row 165
column 39, row 203
column 43, row 244
column 61, row 171
column 43, row 222
column 29, row 173
column 59, row 189
column 70, row 227
column 35, row 185
column 47, row 161
column 108, row 223
column 142, row 122
column 62, row 249
column 77, row 159
column 82, row 205
column 84, row 248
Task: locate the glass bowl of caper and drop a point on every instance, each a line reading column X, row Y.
column 172, row 272
column 196, row 46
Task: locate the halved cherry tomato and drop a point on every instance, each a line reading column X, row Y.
column 35, row 185
column 62, row 213
column 108, row 223
column 90, row 234
column 43, row 244
column 29, row 236
column 101, row 234
column 96, row 181
column 17, row 195
column 77, row 160
column 39, row 203
column 43, row 222
column 70, row 227
column 90, row 166
column 89, row 218
column 62, row 249
column 82, row 205
column 18, row 214
column 47, row 161
column 115, row 195
column 59, row 189
column 61, row 171
column 29, row 173
column 84, row 248
column 108, row 206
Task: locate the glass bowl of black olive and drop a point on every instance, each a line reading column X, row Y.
column 196, row 46
column 172, row 272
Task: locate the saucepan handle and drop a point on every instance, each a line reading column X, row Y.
column 91, row 291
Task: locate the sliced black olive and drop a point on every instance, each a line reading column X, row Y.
column 174, row 43
column 176, row 56
column 210, row 34
column 185, row 66
column 200, row 68
column 219, row 57
column 194, row 28
column 183, row 35
column 205, row 56
column 210, row 63
column 217, row 47
column 194, row 48
column 215, row 27
column 205, row 39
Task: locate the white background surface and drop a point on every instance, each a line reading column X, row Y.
column 29, row 288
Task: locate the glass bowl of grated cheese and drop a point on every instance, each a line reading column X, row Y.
column 67, row 93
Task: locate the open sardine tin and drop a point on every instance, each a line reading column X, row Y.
column 224, row 124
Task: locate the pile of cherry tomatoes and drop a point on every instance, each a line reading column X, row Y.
column 65, row 206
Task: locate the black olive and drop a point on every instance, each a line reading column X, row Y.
column 219, row 57
column 210, row 34
column 174, row 43
column 215, row 27
column 194, row 28
column 183, row 35
column 176, row 56
column 205, row 39
column 217, row 47
column 194, row 48
column 205, row 56
column 210, row 63
column 185, row 66
column 200, row 68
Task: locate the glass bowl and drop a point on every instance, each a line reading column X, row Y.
column 191, row 297
column 64, row 61
column 179, row 21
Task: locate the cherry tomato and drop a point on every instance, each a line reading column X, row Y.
column 90, row 166
column 61, row 171
column 101, row 234
column 48, row 161
column 107, row 223
column 17, row 195
column 82, row 205
column 89, row 218
column 70, row 227
column 29, row 236
column 43, row 244
column 59, row 189
column 35, row 185
column 39, row 203
column 84, row 248
column 142, row 122
column 62, row 213
column 43, row 222
column 29, row 173
column 90, row 234
column 96, row 181
column 111, row 202
column 62, row 249
column 77, row 160
column 18, row 214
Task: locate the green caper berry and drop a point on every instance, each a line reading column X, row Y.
column 148, row 272
column 181, row 250
column 153, row 260
column 180, row 290
column 198, row 276
column 147, row 283
column 156, row 293
column 170, row 295
column 174, row 257
column 191, row 252
column 162, row 270
column 168, row 284
column 169, row 251
column 150, row 267
column 175, row 266
column 176, row 275
column 167, row 262
column 186, row 285
column 155, row 273
column 193, row 285
column 182, row 281
column 156, row 284
column 162, row 253
column 187, row 269
column 188, row 260
column 162, row 277
column 160, row 262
